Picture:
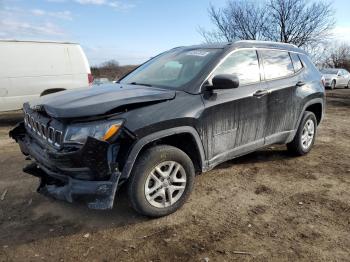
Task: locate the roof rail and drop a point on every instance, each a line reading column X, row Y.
column 264, row 42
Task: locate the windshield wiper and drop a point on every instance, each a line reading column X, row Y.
column 139, row 84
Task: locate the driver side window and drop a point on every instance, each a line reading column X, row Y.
column 244, row 64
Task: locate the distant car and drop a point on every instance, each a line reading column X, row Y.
column 101, row 81
column 30, row 69
column 336, row 77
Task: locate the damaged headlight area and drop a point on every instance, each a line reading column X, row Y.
column 87, row 174
column 101, row 130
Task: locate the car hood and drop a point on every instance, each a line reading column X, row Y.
column 329, row 76
column 100, row 100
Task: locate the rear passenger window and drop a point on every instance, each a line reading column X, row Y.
column 244, row 64
column 276, row 64
column 296, row 62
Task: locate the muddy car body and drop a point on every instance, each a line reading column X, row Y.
column 239, row 97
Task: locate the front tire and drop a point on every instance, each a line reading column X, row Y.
column 348, row 85
column 305, row 136
column 161, row 181
column 333, row 84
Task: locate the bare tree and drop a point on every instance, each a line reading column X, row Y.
column 111, row 70
column 298, row 22
column 338, row 56
column 111, row 64
column 238, row 20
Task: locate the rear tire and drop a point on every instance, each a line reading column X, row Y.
column 305, row 136
column 161, row 181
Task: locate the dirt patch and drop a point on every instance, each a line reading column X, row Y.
column 266, row 206
column 262, row 190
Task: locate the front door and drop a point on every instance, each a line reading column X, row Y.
column 233, row 120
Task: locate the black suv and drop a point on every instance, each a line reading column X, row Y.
column 179, row 114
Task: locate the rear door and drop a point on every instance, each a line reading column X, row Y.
column 282, row 82
column 233, row 120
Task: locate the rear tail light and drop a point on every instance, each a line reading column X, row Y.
column 90, row 79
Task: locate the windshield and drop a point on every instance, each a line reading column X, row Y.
column 173, row 69
column 329, row 71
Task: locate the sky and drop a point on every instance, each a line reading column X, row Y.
column 128, row 31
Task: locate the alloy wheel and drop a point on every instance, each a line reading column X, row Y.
column 165, row 184
column 308, row 134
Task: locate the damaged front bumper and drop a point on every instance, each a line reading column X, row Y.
column 87, row 174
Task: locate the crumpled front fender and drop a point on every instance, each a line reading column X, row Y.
column 89, row 174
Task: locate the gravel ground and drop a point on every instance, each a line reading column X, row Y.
column 266, row 206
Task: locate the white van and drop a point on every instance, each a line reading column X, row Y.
column 29, row 69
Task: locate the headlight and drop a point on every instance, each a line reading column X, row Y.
column 102, row 130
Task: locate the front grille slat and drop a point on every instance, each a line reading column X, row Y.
column 32, row 123
column 49, row 134
column 58, row 138
column 43, row 131
column 38, row 128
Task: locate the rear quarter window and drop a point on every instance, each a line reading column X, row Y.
column 308, row 64
column 298, row 65
column 276, row 63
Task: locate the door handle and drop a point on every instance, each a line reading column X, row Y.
column 300, row 83
column 261, row 93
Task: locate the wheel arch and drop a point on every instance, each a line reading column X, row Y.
column 51, row 91
column 315, row 105
column 188, row 138
column 317, row 109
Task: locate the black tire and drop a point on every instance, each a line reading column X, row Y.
column 145, row 163
column 332, row 85
column 348, row 85
column 295, row 147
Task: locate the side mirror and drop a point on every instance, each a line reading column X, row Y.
column 225, row 81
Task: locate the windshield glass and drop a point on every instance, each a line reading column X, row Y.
column 173, row 69
column 329, row 71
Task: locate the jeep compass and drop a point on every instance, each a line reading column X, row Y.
column 179, row 114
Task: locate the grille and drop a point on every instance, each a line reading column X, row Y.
column 49, row 134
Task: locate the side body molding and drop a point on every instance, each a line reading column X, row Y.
column 137, row 147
